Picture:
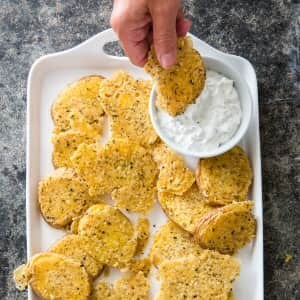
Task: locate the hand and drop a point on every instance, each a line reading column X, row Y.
column 139, row 23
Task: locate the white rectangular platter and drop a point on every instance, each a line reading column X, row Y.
column 51, row 73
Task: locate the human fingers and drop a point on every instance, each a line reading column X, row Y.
column 164, row 15
column 131, row 22
column 137, row 52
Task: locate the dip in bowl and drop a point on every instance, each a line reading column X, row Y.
column 215, row 122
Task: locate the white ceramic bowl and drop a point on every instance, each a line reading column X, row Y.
column 246, row 106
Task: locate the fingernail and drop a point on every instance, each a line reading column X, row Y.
column 167, row 60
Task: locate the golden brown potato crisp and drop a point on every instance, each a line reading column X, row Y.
column 227, row 229
column 122, row 168
column 76, row 247
column 103, row 291
column 65, row 143
column 225, row 178
column 173, row 176
column 171, row 242
column 111, row 235
column 181, row 84
column 133, row 287
column 209, row 276
column 54, row 276
column 185, row 210
column 125, row 100
column 143, row 234
column 63, row 195
column 78, row 102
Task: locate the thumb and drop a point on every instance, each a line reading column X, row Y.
column 165, row 36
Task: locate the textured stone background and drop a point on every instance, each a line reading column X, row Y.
column 265, row 32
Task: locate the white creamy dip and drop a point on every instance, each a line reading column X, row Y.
column 209, row 122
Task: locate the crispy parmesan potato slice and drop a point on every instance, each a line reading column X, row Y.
column 171, row 242
column 21, row 277
column 143, row 234
column 181, row 84
column 63, row 195
column 225, row 178
column 122, row 168
column 134, row 286
column 73, row 227
column 103, row 291
column 173, row 176
column 139, row 265
column 54, row 276
column 77, row 247
column 111, row 235
column 78, row 102
column 227, row 229
column 65, row 143
column 185, row 210
column 208, row 277
column 125, row 100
